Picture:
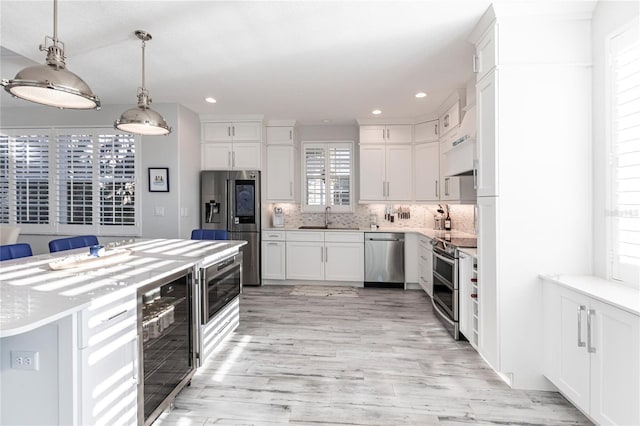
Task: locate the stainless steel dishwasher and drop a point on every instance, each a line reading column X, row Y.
column 383, row 259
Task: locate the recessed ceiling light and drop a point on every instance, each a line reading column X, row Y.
column 326, row 120
column 376, row 112
column 421, row 95
column 210, row 100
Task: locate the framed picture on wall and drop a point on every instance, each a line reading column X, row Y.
column 158, row 179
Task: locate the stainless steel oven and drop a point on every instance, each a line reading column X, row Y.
column 221, row 283
column 445, row 288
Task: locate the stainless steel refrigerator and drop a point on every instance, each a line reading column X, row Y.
column 231, row 200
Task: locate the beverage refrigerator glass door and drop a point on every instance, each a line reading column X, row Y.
column 167, row 343
column 221, row 283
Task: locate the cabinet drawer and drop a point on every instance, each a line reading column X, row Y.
column 424, row 242
column 344, row 237
column 101, row 321
column 305, row 236
column 273, row 235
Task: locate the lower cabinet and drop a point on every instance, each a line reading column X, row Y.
column 425, row 265
column 325, row 256
column 107, row 357
column 468, row 312
column 273, row 255
column 592, row 354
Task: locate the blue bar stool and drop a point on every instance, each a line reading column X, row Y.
column 69, row 243
column 15, row 251
column 209, row 234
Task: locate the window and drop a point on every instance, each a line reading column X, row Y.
column 625, row 156
column 327, row 176
column 69, row 181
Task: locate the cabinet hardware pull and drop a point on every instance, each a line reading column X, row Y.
column 229, row 131
column 321, row 254
column 436, row 129
column 290, row 135
column 475, row 174
column 233, row 130
column 383, row 133
column 590, row 348
column 580, row 341
column 326, row 254
column 272, row 244
column 437, row 189
column 115, row 316
column 475, row 63
column 388, row 134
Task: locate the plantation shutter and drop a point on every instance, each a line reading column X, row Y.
column 117, row 177
column 625, row 67
column 4, row 178
column 75, row 156
column 340, row 175
column 29, row 177
column 314, row 160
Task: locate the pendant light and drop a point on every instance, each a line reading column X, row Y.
column 141, row 119
column 52, row 84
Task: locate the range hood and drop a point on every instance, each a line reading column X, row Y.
column 461, row 152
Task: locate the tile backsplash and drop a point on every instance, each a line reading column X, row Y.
column 421, row 216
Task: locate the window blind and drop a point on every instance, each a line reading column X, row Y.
column 625, row 191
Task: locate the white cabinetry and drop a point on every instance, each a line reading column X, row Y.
column 426, row 131
column 390, row 133
column 425, row 264
column 280, row 172
column 518, row 161
column 426, row 157
column 320, row 256
column 592, row 354
column 231, row 146
column 450, row 119
column 467, row 282
column 280, row 135
column 385, row 173
column 108, row 357
column 273, row 255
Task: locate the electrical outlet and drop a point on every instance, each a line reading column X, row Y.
column 25, row 360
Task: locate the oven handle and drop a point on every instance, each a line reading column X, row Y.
column 445, row 259
column 442, row 314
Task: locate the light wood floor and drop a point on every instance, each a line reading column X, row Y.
column 343, row 356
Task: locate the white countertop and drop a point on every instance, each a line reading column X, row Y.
column 427, row 232
column 32, row 294
column 618, row 295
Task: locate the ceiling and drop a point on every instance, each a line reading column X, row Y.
column 312, row 61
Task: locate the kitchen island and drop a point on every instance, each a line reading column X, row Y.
column 70, row 334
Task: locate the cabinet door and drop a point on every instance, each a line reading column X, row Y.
column 216, row 156
column 305, row 260
column 344, row 261
column 427, row 171
column 246, row 156
column 573, row 374
column 488, row 278
column 248, row 131
column 280, row 173
column 450, row 119
column 425, row 262
column 217, row 132
column 279, row 135
column 273, row 260
column 372, row 173
column 487, row 143
column 615, row 366
column 399, row 172
column 486, row 54
column 399, row 133
column 372, row 134
column 426, row 132
column 465, row 306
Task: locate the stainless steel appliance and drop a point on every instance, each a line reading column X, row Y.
column 383, row 259
column 231, row 200
column 221, row 283
column 167, row 326
column 446, row 297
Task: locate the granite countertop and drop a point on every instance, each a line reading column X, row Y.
column 32, row 294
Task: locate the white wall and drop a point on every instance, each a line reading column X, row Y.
column 607, row 17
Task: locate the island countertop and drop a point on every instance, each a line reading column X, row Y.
column 32, row 294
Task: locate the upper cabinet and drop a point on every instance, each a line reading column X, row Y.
column 426, row 131
column 232, row 145
column 486, row 55
column 385, row 173
column 389, row 133
column 451, row 112
column 232, row 131
column 426, row 157
column 280, row 135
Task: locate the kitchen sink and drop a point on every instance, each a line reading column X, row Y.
column 313, row 227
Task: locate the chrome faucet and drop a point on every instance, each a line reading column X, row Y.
column 327, row 210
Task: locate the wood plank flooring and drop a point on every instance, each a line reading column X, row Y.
column 306, row 355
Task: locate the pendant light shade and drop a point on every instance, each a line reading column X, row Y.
column 52, row 84
column 142, row 120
